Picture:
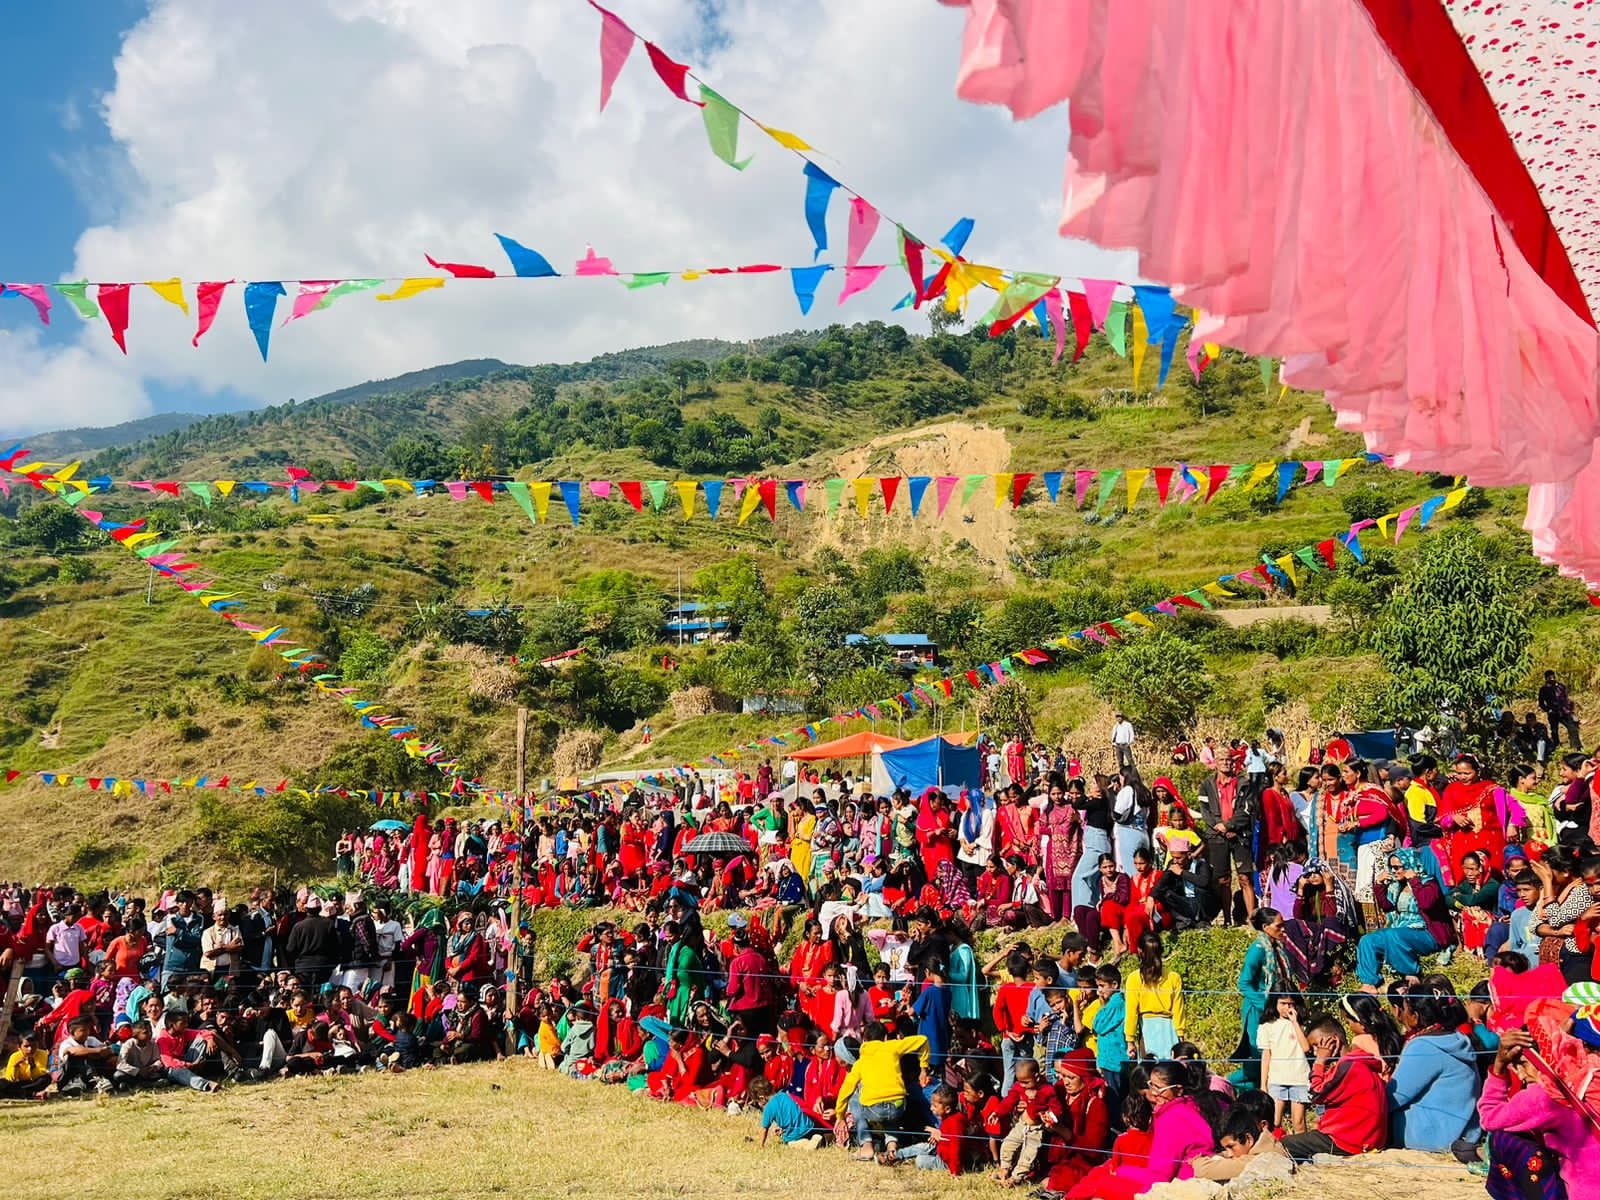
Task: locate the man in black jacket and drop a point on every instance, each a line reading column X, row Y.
column 1186, row 890
column 313, row 946
column 1226, row 815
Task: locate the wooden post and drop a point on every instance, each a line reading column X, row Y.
column 516, row 865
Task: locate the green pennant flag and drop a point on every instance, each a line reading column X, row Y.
column 519, row 493
column 835, row 489
column 1199, row 597
column 658, row 493
column 201, row 489
column 376, row 485
column 1116, row 327
column 1266, row 365
column 1108, row 484
column 644, row 279
column 154, row 548
column 974, row 482
column 73, row 496
column 347, row 287
column 1022, row 293
column 722, row 127
column 1308, row 555
column 78, row 295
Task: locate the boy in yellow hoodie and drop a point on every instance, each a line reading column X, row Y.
column 875, row 1090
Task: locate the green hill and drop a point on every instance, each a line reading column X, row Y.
column 108, row 683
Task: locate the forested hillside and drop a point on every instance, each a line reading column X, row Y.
column 443, row 609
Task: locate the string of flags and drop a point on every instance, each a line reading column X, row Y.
column 128, row 785
column 1095, row 488
column 165, row 559
column 1281, row 573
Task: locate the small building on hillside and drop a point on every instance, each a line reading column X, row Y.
column 694, row 622
column 908, row 651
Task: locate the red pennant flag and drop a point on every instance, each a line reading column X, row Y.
column 1019, row 485
column 768, row 490
column 296, row 474
column 168, row 486
column 207, row 297
column 936, row 285
column 113, row 299
column 1218, row 475
column 1110, row 630
column 460, row 270
column 10, row 775
column 1163, row 482
column 165, row 786
column 343, row 485
column 672, row 73
column 1186, row 601
column 913, row 252
column 1082, row 322
column 9, row 462
column 94, row 784
column 484, row 488
column 890, row 486
column 974, row 680
column 947, row 686
column 757, row 269
column 633, row 493
column 1325, row 548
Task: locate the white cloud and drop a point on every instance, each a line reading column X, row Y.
column 354, row 136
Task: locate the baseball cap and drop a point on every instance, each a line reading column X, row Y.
column 1400, row 770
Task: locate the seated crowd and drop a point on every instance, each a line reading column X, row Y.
column 825, row 975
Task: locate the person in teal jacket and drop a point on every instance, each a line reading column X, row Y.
column 1265, row 973
column 1433, row 1097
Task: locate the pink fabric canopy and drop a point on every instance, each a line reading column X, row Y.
column 1273, row 161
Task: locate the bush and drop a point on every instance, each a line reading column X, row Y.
column 74, row 570
column 366, row 657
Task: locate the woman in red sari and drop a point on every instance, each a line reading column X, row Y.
column 935, row 838
column 1470, row 817
column 632, row 852
column 1018, row 823
column 810, row 963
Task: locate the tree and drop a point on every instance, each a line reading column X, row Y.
column 365, row 657
column 1158, row 680
column 53, row 527
column 1453, row 633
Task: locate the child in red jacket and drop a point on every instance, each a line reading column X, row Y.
column 1347, row 1085
column 1035, row 1107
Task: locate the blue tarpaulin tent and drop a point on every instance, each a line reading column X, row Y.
column 932, row 762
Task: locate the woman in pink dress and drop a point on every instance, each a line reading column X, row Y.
column 1061, row 831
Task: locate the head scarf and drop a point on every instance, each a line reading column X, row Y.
column 1347, row 909
column 1567, row 1071
column 1410, row 860
column 953, row 889
column 978, row 804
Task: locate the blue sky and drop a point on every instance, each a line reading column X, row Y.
column 335, row 139
column 57, row 60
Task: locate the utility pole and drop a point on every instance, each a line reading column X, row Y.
column 516, row 864
column 150, row 587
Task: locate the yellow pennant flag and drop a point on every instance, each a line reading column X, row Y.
column 1002, row 487
column 1216, row 589
column 1286, row 565
column 225, row 486
column 541, row 498
column 1136, row 478
column 863, row 490
column 138, row 539
column 686, row 490
column 789, row 141
column 170, row 290
column 1453, row 498
column 1259, row 472
column 691, row 275
column 1383, row 524
column 748, row 502
column 1212, row 349
column 1141, row 338
column 1138, row 618
column 410, row 287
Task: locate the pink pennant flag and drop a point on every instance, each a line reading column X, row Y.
column 863, row 224
column 616, row 43
column 858, row 279
column 1313, row 469
column 308, row 297
column 945, row 484
column 37, row 295
column 113, row 299
column 457, row 489
column 1052, row 308
column 207, row 297
column 592, row 264
column 1192, row 356
column 1100, row 293
column 1080, row 486
column 1403, row 520
column 600, row 488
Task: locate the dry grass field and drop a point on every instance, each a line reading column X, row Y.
column 489, row 1130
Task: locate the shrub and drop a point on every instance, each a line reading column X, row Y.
column 366, row 657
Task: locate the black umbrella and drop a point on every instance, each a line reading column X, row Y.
column 717, row 843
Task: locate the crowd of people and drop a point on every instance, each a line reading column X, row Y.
column 818, row 965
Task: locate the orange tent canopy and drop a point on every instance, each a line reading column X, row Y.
column 856, row 745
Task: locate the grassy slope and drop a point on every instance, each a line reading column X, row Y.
column 131, row 688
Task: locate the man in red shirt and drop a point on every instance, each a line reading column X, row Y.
column 1347, row 1083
